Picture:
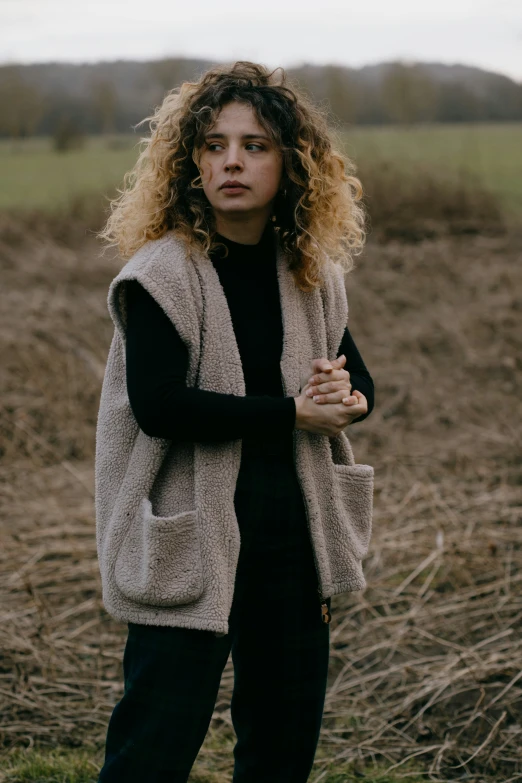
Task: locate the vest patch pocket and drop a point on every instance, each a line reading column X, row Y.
column 159, row 561
column 355, row 485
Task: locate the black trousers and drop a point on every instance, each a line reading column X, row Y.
column 280, row 653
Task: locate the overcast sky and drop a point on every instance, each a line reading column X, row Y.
column 484, row 33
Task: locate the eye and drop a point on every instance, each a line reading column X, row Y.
column 216, row 144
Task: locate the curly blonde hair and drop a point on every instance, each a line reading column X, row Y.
column 319, row 220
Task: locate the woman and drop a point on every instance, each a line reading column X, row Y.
column 229, row 507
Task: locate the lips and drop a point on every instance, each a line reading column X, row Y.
column 234, row 190
column 230, row 184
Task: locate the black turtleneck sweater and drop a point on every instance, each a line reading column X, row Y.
column 157, row 361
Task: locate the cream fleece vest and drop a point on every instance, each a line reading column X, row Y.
column 167, row 534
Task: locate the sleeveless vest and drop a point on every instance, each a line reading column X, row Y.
column 167, row 535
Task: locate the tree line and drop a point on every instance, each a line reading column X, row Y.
column 64, row 100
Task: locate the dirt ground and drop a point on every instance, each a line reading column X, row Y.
column 426, row 663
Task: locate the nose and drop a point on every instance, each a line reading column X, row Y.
column 233, row 160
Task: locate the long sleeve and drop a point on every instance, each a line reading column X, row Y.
column 360, row 378
column 164, row 407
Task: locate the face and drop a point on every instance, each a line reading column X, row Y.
column 238, row 148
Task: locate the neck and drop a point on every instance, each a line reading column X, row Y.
column 245, row 233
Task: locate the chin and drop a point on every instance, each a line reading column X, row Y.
column 234, row 208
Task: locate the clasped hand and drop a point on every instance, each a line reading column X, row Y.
column 329, row 387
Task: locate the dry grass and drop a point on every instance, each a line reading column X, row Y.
column 414, row 203
column 426, row 664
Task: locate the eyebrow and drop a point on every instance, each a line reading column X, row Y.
column 245, row 136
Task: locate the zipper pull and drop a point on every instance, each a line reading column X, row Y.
column 325, row 613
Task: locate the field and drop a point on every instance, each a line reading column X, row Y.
column 34, row 176
column 489, row 152
column 425, row 679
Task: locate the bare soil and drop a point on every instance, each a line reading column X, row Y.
column 426, row 663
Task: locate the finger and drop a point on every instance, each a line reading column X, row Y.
column 355, row 406
column 328, row 387
column 335, row 375
column 354, row 399
column 338, row 379
column 354, row 410
column 321, row 365
column 335, row 397
column 325, row 365
column 362, row 402
column 359, row 395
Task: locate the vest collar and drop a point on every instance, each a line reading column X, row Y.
column 288, row 297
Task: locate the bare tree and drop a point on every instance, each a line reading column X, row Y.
column 22, row 104
column 104, row 102
column 341, row 93
column 408, row 94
